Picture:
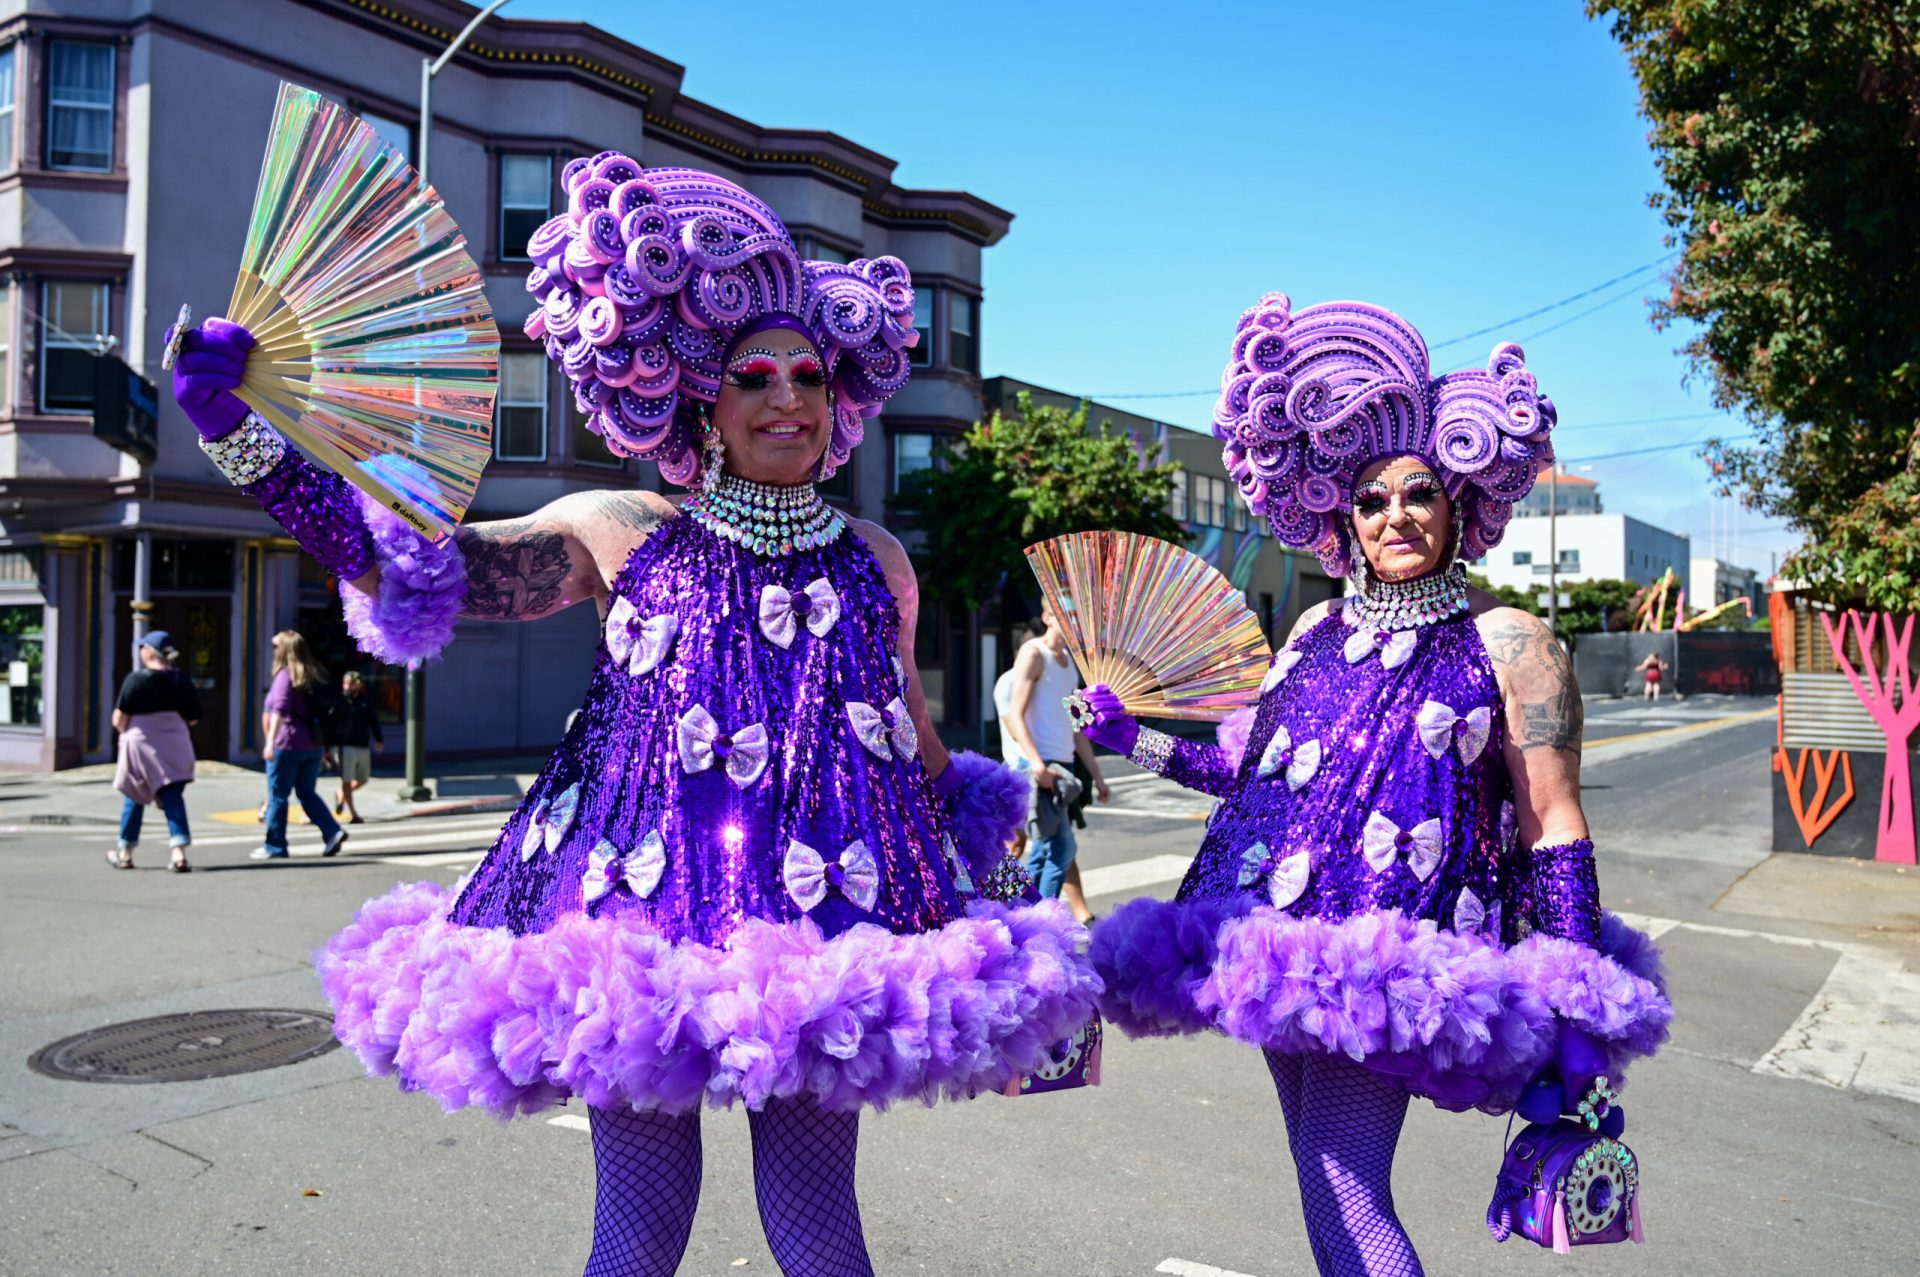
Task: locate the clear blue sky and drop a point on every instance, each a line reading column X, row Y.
column 1461, row 163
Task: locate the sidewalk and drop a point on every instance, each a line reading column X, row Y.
column 231, row 795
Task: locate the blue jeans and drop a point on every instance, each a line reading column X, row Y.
column 1048, row 858
column 171, row 799
column 296, row 771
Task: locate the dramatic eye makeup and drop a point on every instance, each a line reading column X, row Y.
column 1370, row 498
column 752, row 369
column 806, row 368
column 1420, row 489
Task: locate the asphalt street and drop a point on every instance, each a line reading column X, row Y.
column 1780, row 1130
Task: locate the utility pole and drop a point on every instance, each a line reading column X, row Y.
column 414, row 789
column 1553, row 550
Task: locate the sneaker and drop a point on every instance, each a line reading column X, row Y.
column 333, row 843
column 267, row 853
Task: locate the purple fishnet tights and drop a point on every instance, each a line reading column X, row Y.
column 803, row 1178
column 647, row 1173
column 648, row 1184
column 1343, row 1123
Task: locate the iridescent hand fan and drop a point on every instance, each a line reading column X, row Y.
column 376, row 349
column 1168, row 633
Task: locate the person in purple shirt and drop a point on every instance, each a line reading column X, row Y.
column 293, row 750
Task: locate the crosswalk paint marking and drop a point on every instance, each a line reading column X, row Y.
column 1858, row 1031
column 1108, row 810
column 1188, row 1268
column 1133, row 874
column 571, row 1121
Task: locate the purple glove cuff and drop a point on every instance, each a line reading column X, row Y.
column 1564, row 892
column 320, row 510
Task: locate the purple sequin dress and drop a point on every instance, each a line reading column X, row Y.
column 1359, row 892
column 731, row 881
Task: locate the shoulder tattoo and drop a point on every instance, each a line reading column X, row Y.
column 1551, row 715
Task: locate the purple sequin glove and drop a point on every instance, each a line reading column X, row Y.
column 1564, row 892
column 1112, row 726
column 212, row 359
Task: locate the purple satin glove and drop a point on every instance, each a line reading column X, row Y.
column 212, row 359
column 1112, row 726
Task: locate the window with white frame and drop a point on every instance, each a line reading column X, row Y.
column 963, row 328
column 79, row 106
column 1522, row 558
column 1207, row 499
column 520, row 424
column 921, row 356
column 7, row 116
column 73, row 328
column 912, row 453
column 1177, row 502
column 526, row 186
column 395, row 134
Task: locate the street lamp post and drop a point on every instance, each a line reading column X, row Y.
column 414, row 788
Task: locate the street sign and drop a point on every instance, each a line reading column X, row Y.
column 126, row 408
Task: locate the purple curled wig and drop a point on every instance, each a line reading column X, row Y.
column 1310, row 399
column 644, row 282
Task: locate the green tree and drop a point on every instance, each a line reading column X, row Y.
column 1594, row 607
column 1021, row 477
column 1512, row 596
column 1788, row 136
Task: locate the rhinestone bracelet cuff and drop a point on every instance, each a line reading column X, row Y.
column 1152, row 750
column 248, row 453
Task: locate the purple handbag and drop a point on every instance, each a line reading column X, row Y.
column 1565, row 1185
column 1075, row 1062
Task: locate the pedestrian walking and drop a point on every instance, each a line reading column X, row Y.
column 1058, row 757
column 1653, row 672
column 290, row 724
column 748, row 873
column 356, row 752
column 157, row 705
column 1397, row 893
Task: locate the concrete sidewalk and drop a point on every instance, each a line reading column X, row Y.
column 223, row 794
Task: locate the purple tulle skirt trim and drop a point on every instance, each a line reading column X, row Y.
column 1455, row 1018
column 422, row 589
column 608, row 1011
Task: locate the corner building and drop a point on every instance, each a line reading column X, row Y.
column 130, row 140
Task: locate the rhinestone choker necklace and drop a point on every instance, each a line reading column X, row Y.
column 1406, row 605
column 766, row 520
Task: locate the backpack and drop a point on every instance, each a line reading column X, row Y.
column 332, row 716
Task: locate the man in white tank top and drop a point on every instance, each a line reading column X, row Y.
column 1038, row 728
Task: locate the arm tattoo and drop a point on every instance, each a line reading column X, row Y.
column 513, row 572
column 626, row 510
column 1556, row 720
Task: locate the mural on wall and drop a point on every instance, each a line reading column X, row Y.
column 1811, row 812
column 1895, row 843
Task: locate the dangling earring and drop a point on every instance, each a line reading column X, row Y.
column 713, row 454
column 1357, row 556
column 822, row 468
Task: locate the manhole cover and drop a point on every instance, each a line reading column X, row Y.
column 187, row 1048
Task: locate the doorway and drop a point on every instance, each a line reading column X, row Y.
column 199, row 625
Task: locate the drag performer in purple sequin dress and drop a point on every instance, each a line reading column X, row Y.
column 748, row 872
column 1396, row 894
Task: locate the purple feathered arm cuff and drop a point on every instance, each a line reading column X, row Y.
column 423, row 586
column 986, row 803
column 1207, row 768
column 320, row 510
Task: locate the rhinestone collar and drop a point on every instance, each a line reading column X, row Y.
column 1406, row 605
column 766, row 520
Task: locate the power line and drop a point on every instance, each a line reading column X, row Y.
column 1659, row 447
column 1584, row 293
column 1637, row 421
column 1564, row 301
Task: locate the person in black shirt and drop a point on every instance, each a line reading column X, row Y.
column 156, row 707
column 363, row 737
